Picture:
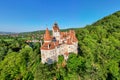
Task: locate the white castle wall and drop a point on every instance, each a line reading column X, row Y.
column 56, row 34
column 48, row 56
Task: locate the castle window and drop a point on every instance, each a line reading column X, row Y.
column 54, row 39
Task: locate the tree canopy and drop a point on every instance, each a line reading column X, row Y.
column 98, row 57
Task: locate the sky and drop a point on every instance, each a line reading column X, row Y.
column 32, row 15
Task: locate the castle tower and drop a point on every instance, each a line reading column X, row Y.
column 47, row 37
column 56, row 31
column 48, row 49
column 60, row 43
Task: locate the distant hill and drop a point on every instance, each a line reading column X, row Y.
column 32, row 32
column 6, row 33
column 43, row 31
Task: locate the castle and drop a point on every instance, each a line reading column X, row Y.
column 60, row 43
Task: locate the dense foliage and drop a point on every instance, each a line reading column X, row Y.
column 98, row 57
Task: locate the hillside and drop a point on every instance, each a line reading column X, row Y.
column 98, row 57
column 100, row 47
column 112, row 20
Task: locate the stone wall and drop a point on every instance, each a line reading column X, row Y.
column 48, row 56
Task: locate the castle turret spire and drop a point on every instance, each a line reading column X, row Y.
column 47, row 36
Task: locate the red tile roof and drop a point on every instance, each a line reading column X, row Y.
column 48, row 46
column 47, row 35
column 69, row 38
column 69, row 42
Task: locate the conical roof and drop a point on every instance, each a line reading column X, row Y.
column 47, row 35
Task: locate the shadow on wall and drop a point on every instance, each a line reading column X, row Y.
column 50, row 61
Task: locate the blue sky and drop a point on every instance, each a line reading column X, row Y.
column 31, row 15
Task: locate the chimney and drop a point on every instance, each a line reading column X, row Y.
column 48, row 46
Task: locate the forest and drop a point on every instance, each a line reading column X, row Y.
column 98, row 57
